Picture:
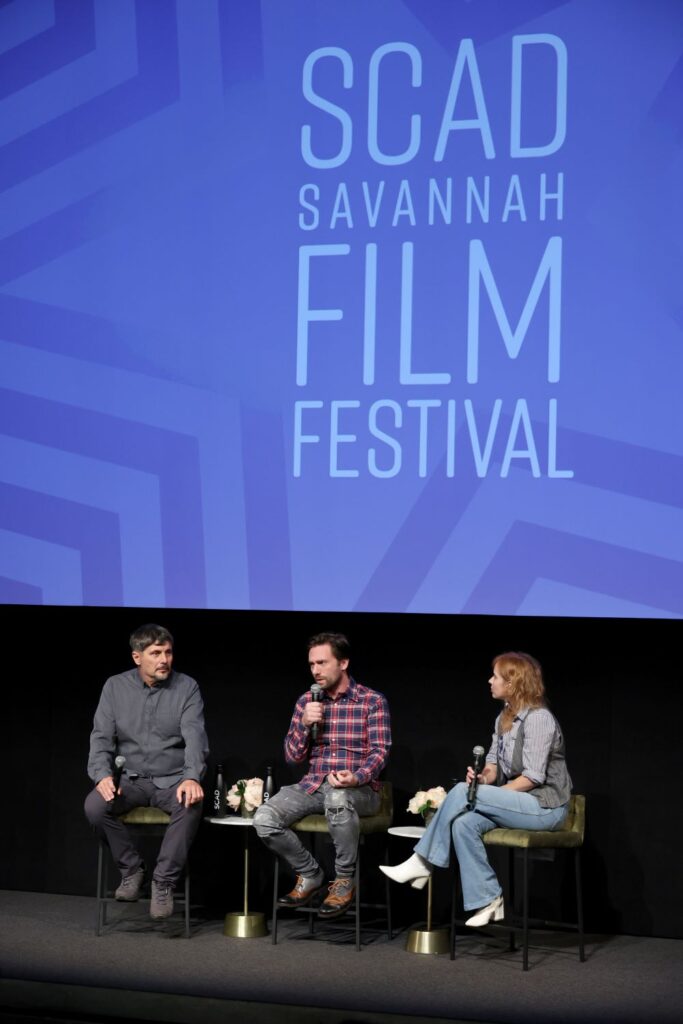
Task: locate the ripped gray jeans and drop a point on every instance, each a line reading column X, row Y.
column 341, row 807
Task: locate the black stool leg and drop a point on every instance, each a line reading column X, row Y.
column 357, row 884
column 454, row 906
column 579, row 902
column 187, row 902
column 525, row 910
column 276, row 876
column 101, row 887
column 511, row 891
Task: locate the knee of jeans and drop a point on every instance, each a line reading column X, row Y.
column 338, row 806
column 266, row 820
column 464, row 823
column 453, row 796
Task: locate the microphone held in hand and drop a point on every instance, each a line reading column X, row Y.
column 478, row 754
column 316, row 695
column 118, row 770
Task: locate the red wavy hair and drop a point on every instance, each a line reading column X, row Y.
column 524, row 677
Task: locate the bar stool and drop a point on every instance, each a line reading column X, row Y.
column 568, row 837
column 141, row 821
column 372, row 824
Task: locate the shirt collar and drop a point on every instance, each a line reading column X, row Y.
column 351, row 693
column 158, row 686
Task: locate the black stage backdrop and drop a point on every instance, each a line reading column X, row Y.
column 615, row 685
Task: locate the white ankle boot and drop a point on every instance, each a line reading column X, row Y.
column 495, row 911
column 415, row 870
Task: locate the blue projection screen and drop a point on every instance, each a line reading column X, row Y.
column 358, row 305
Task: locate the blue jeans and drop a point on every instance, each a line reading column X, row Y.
column 341, row 807
column 495, row 806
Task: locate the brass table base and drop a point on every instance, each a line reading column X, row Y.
column 428, row 940
column 245, row 926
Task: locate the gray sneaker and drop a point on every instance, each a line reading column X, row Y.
column 161, row 904
column 129, row 890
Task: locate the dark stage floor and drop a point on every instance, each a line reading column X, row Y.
column 53, row 967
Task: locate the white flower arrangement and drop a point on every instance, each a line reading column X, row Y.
column 247, row 793
column 427, row 801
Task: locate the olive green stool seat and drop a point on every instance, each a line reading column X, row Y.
column 372, row 824
column 568, row 837
column 141, row 821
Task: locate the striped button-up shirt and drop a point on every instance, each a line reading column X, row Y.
column 355, row 734
column 540, row 734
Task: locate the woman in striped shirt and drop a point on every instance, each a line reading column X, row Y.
column 524, row 784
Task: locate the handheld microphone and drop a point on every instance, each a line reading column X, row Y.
column 316, row 695
column 118, row 769
column 478, row 753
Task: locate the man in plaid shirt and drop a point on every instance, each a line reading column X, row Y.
column 346, row 737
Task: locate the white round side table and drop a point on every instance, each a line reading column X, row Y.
column 242, row 925
column 427, row 939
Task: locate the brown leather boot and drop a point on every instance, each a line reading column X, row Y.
column 303, row 892
column 338, row 899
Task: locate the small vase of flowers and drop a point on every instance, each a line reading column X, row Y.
column 245, row 796
column 426, row 802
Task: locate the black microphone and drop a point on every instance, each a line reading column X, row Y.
column 478, row 754
column 316, row 695
column 118, row 769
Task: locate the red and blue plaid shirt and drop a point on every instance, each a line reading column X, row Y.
column 355, row 735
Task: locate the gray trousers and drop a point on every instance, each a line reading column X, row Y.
column 341, row 807
column 177, row 839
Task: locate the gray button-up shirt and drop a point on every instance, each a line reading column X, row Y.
column 158, row 729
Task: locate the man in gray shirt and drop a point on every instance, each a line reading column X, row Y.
column 154, row 718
